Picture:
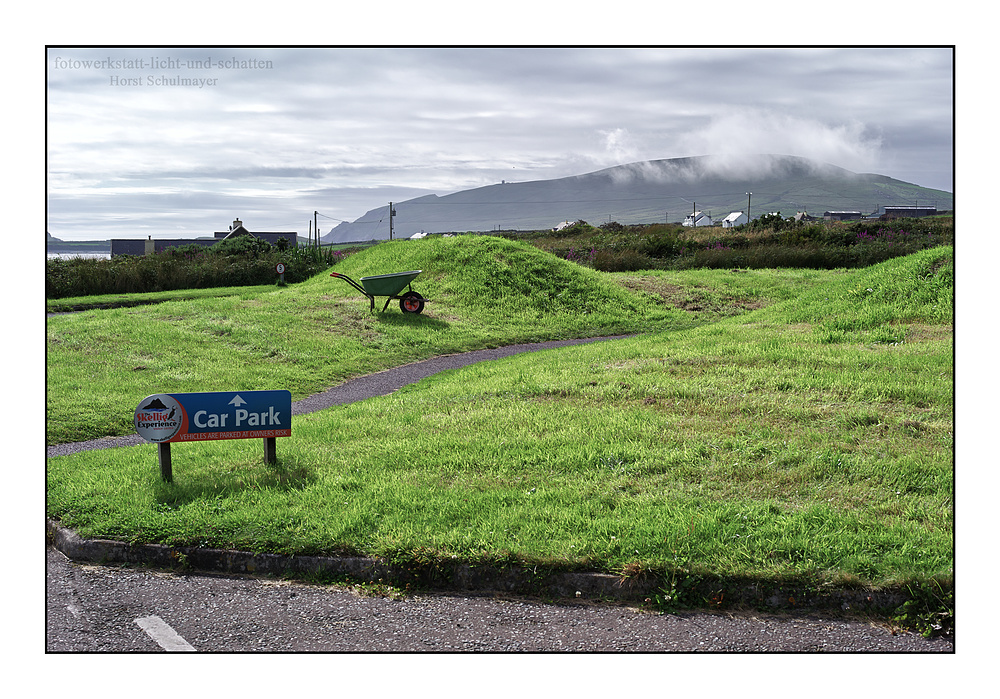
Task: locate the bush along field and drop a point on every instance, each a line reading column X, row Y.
column 243, row 261
column 800, row 446
column 769, row 241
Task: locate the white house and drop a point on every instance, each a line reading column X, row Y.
column 698, row 218
column 734, row 219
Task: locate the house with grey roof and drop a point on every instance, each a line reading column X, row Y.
column 736, row 218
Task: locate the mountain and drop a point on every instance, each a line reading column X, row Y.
column 647, row 192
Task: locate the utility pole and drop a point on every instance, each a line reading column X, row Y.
column 310, row 233
column 316, row 227
column 748, row 206
column 392, row 212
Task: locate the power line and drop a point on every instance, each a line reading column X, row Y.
column 332, row 218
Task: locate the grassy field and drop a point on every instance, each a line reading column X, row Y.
column 484, row 292
column 767, row 425
column 106, row 301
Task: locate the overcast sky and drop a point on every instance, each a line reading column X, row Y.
column 271, row 135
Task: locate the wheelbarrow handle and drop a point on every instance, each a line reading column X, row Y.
column 350, row 281
column 357, row 286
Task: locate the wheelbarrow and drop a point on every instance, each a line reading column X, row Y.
column 389, row 285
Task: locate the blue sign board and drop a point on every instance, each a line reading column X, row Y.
column 187, row 417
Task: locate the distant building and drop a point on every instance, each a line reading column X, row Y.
column 909, row 211
column 698, row 218
column 238, row 229
column 803, row 216
column 128, row 246
column 842, row 215
column 737, row 218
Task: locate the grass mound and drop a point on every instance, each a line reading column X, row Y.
column 508, row 283
column 876, row 304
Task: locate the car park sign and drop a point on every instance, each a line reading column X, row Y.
column 188, row 417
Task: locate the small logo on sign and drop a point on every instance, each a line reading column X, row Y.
column 158, row 418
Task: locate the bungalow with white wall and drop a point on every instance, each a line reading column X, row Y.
column 737, row 218
column 698, row 218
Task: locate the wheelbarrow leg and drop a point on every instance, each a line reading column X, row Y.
column 385, row 306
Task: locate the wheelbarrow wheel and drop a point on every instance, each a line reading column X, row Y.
column 411, row 302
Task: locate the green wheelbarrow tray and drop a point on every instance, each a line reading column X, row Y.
column 389, row 285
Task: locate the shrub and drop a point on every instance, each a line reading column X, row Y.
column 240, row 262
column 243, row 246
column 622, row 261
column 661, row 245
column 578, row 228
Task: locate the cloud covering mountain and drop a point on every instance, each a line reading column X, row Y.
column 646, row 192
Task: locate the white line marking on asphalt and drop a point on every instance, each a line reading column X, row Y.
column 160, row 631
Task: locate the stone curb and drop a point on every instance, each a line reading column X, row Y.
column 457, row 577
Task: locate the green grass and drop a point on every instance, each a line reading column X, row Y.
column 810, row 440
column 86, row 303
column 483, row 291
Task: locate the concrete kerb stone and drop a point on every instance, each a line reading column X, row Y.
column 455, row 577
column 444, row 577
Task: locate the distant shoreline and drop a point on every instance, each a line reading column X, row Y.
column 80, row 246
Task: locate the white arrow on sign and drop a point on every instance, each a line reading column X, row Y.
column 237, row 401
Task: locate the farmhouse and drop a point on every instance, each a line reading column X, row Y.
column 737, row 218
column 698, row 218
column 128, row 246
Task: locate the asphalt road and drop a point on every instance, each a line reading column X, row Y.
column 100, row 609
